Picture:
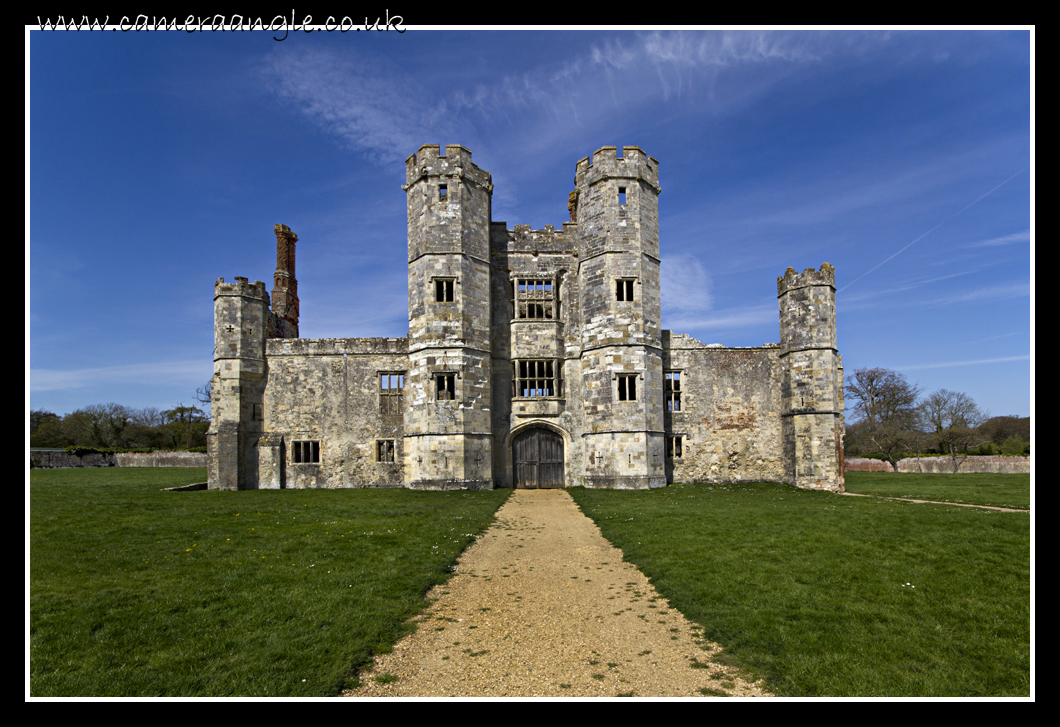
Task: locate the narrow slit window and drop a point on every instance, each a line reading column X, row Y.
column 674, row 447
column 445, row 387
column 627, row 387
column 621, row 195
column 443, row 192
column 624, row 290
column 443, row 291
column 385, row 450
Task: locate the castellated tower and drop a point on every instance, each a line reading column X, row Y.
column 812, row 384
column 241, row 314
column 616, row 206
column 447, row 434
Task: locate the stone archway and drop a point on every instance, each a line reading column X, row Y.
column 537, row 459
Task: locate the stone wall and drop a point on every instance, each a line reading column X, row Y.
column 866, row 464
column 60, row 459
column 328, row 391
column 161, row 459
column 944, row 465
column 56, row 459
column 729, row 417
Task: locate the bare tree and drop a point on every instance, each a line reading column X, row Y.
column 886, row 404
column 204, row 396
column 955, row 419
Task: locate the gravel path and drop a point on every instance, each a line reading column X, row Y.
column 543, row 606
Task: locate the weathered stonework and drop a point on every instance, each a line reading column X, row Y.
column 535, row 358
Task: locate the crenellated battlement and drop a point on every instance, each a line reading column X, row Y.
column 792, row 280
column 521, row 238
column 241, row 287
column 455, row 163
column 606, row 164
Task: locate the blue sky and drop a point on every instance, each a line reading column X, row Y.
column 160, row 161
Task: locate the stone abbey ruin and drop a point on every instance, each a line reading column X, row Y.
column 534, row 358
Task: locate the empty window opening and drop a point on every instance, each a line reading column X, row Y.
column 627, row 387
column 535, row 299
column 305, row 452
column 391, row 389
column 445, row 387
column 674, row 447
column 672, row 390
column 536, row 378
column 443, row 291
column 624, row 290
column 443, row 192
column 621, row 195
column 384, row 450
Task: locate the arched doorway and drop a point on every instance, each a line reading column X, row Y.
column 537, row 459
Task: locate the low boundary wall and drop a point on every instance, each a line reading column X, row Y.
column 943, row 465
column 54, row 459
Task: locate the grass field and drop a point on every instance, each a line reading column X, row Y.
column 139, row 592
column 824, row 595
column 969, row 488
column 135, row 591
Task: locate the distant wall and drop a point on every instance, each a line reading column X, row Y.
column 56, row 459
column 865, row 464
column 162, row 459
column 944, row 465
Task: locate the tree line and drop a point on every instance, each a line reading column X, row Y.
column 113, row 426
column 893, row 420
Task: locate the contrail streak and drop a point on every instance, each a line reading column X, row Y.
column 892, row 257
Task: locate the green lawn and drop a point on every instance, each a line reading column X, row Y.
column 139, row 592
column 824, row 595
column 970, row 488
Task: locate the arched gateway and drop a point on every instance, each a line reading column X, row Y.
column 537, row 459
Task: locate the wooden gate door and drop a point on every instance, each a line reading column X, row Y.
column 537, row 457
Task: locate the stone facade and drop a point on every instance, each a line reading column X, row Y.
column 521, row 334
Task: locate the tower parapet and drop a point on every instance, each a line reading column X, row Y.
column 455, row 163
column 811, row 390
column 605, row 163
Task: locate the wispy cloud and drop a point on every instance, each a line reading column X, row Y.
column 974, row 362
column 725, row 319
column 960, row 296
column 1014, row 238
column 192, row 372
column 384, row 110
column 862, row 296
column 687, row 288
column 991, row 292
column 369, row 105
